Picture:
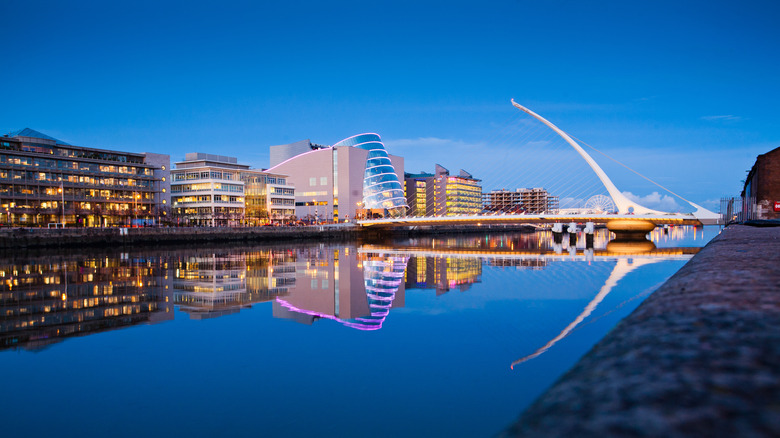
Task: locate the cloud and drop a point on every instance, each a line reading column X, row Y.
column 656, row 201
column 723, row 118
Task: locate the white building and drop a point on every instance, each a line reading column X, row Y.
column 335, row 183
column 214, row 190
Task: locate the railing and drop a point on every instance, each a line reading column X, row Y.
column 738, row 209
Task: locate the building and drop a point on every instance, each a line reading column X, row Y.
column 354, row 177
column 419, row 189
column 442, row 194
column 47, row 181
column 761, row 193
column 530, row 201
column 456, row 195
column 215, row 190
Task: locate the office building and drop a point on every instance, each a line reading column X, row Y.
column 353, row 177
column 419, row 189
column 215, row 190
column 47, row 181
column 442, row 194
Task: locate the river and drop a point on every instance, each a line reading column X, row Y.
column 428, row 336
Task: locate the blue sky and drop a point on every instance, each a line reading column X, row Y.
column 684, row 92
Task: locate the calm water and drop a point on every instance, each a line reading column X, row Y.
column 424, row 337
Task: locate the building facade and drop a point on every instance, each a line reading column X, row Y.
column 215, row 190
column 529, row 201
column 354, row 177
column 761, row 194
column 442, row 194
column 419, row 189
column 47, row 181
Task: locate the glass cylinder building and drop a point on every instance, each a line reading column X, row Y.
column 381, row 187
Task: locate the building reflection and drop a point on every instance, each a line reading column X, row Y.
column 356, row 289
column 44, row 302
column 213, row 284
column 442, row 273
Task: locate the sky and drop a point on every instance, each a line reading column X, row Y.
column 684, row 92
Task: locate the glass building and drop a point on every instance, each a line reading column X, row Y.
column 381, row 187
column 353, row 178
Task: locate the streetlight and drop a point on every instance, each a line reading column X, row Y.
column 136, row 196
column 62, row 192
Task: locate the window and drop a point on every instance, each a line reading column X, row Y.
column 312, row 181
column 323, row 180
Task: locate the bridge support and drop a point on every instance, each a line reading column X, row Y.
column 630, row 229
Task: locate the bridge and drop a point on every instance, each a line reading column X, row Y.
column 628, row 218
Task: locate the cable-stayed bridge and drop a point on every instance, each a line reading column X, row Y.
column 623, row 214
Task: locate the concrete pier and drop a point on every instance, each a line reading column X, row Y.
column 699, row 358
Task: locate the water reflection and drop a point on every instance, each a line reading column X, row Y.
column 300, row 327
column 47, row 299
column 213, row 284
column 356, row 289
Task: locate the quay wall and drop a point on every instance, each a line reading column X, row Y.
column 699, row 357
column 81, row 237
column 11, row 238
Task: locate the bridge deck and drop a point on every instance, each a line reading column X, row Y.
column 670, row 219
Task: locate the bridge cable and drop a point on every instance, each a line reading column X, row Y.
column 632, row 170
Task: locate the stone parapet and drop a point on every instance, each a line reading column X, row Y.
column 700, row 357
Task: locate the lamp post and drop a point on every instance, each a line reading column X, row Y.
column 62, row 192
column 136, row 196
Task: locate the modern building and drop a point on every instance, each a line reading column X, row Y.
column 442, row 194
column 530, row 201
column 761, row 193
column 354, row 177
column 419, row 189
column 47, row 181
column 215, row 190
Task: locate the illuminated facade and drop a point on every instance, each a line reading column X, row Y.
column 354, row 176
column 215, row 190
column 44, row 180
column 419, row 189
column 442, row 194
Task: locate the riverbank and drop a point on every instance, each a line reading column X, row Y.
column 700, row 357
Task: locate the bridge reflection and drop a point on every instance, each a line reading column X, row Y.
column 44, row 300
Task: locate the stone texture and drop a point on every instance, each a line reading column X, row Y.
column 700, row 357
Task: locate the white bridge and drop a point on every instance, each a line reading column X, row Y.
column 630, row 217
